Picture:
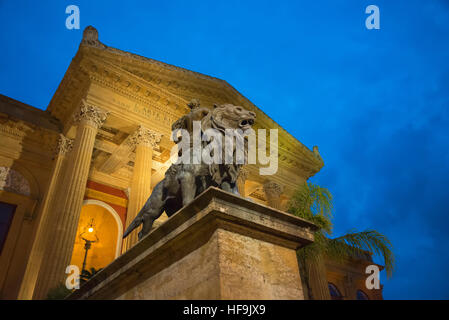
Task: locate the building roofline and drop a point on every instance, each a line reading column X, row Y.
column 27, row 113
column 90, row 39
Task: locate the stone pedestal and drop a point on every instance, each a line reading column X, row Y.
column 220, row 246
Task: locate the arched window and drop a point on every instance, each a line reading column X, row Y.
column 100, row 223
column 361, row 295
column 334, row 292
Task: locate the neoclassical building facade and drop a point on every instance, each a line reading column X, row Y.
column 87, row 164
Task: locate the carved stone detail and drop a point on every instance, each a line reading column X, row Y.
column 243, row 174
column 272, row 189
column 90, row 38
column 16, row 128
column 13, row 181
column 317, row 153
column 144, row 136
column 194, row 104
column 91, row 114
column 64, row 145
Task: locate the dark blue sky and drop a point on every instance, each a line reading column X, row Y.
column 376, row 102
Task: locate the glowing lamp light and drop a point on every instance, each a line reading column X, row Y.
column 89, row 241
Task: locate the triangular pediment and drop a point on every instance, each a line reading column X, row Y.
column 186, row 85
column 166, row 88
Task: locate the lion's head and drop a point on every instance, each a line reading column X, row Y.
column 229, row 116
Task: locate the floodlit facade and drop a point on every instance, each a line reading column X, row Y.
column 80, row 171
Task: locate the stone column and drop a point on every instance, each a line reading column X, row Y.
column 58, row 253
column 145, row 140
column 243, row 175
column 46, row 220
column 350, row 292
column 317, row 278
column 273, row 192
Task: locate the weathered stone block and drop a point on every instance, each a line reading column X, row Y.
column 220, row 246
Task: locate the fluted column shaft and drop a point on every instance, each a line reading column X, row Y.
column 46, row 220
column 144, row 140
column 350, row 290
column 58, row 252
column 317, row 278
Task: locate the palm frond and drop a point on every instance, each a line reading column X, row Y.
column 313, row 203
column 355, row 244
column 322, row 201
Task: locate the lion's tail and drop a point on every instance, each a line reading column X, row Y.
column 134, row 224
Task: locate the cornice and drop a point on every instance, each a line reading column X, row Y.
column 22, row 111
column 129, row 85
column 90, row 114
column 28, row 134
column 165, row 88
column 71, row 90
column 139, row 84
column 113, row 52
column 287, row 142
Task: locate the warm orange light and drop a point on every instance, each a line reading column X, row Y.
column 91, row 229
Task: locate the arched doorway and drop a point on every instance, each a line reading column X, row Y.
column 100, row 223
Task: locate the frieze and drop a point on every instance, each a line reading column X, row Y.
column 147, row 112
column 29, row 133
column 127, row 81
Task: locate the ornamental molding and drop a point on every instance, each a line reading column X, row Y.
column 316, row 152
column 16, row 128
column 64, row 145
column 144, row 136
column 90, row 114
column 149, row 109
column 162, row 90
column 243, row 174
column 72, row 88
column 90, row 38
column 136, row 85
column 272, row 189
column 13, row 181
column 128, row 84
column 28, row 134
column 183, row 87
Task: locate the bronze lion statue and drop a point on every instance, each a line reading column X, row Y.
column 184, row 181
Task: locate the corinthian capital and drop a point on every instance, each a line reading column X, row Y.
column 272, row 189
column 64, row 145
column 90, row 114
column 144, row 136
